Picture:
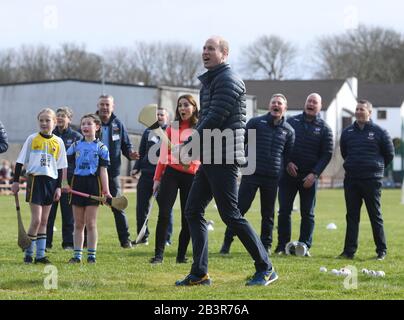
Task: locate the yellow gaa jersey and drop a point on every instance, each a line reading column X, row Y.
column 43, row 156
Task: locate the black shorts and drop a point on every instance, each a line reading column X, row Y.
column 86, row 184
column 40, row 190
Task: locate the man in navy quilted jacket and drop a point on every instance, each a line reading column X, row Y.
column 367, row 149
column 3, row 139
column 312, row 152
column 274, row 138
column 223, row 110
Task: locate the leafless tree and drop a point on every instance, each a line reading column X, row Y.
column 33, row 63
column 120, row 66
column 268, row 57
column 154, row 63
column 73, row 61
column 370, row 53
column 179, row 65
column 7, row 66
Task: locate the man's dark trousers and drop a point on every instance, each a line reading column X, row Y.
column 121, row 221
column 143, row 194
column 67, row 222
column 357, row 191
column 288, row 188
column 268, row 190
column 220, row 182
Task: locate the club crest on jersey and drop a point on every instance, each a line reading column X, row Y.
column 317, row 130
column 371, row 135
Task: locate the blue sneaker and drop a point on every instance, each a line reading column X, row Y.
column 262, row 278
column 191, row 280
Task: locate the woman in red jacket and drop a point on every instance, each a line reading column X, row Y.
column 171, row 176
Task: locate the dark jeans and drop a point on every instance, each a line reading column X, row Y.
column 246, row 194
column 121, row 221
column 172, row 181
column 67, row 222
column 288, row 188
column 357, row 191
column 144, row 193
column 219, row 182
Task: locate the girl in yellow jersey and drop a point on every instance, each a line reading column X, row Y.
column 44, row 157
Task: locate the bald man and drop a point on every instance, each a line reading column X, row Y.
column 311, row 153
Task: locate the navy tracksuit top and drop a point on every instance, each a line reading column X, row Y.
column 366, row 152
column 274, row 144
column 313, row 146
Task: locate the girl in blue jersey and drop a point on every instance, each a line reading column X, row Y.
column 90, row 176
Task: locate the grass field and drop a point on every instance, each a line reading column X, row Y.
column 126, row 274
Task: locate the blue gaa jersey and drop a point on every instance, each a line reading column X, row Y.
column 89, row 156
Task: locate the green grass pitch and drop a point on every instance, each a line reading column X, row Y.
column 127, row 274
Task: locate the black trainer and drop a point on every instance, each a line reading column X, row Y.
column 280, row 251
column 144, row 242
column 225, row 249
column 127, row 244
column 182, row 260
column 28, row 260
column 43, row 260
column 156, row 260
column 345, row 255
column 381, row 256
column 191, row 280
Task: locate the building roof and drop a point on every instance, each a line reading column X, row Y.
column 382, row 95
column 73, row 80
column 296, row 91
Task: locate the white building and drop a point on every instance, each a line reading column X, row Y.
column 21, row 102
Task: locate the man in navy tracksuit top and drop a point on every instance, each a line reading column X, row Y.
column 312, row 152
column 3, row 139
column 367, row 149
column 274, row 142
column 144, row 186
column 63, row 130
column 115, row 137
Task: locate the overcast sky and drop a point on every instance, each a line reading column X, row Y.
column 102, row 24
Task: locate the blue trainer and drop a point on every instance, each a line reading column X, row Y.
column 191, row 280
column 262, row 278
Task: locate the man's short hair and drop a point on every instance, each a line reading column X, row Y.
column 67, row 111
column 224, row 45
column 279, row 95
column 106, row 96
column 367, row 103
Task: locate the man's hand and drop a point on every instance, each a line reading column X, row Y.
column 156, row 186
column 134, row 173
column 291, row 168
column 134, row 155
column 58, row 193
column 65, row 187
column 309, row 180
column 15, row 187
